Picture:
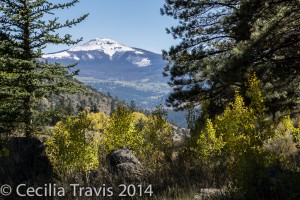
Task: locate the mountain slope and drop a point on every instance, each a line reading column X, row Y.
column 126, row 72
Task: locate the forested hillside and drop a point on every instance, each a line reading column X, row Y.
column 54, row 108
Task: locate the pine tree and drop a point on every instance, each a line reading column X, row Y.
column 273, row 53
column 224, row 42
column 9, row 106
column 25, row 32
column 94, row 108
column 133, row 107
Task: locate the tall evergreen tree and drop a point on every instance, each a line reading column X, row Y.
column 223, row 42
column 9, row 106
column 133, row 107
column 24, row 34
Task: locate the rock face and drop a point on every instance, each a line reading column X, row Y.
column 179, row 135
column 26, row 162
column 123, row 162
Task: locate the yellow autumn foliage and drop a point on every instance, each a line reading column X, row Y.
column 79, row 143
column 235, row 137
column 137, row 116
column 73, row 144
column 283, row 149
column 247, row 142
column 122, row 132
column 99, row 121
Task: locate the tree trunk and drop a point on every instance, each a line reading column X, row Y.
column 28, row 117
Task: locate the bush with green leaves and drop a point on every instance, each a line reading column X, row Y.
column 73, row 145
column 4, row 152
column 159, row 138
column 122, row 133
column 282, row 150
column 234, row 139
column 78, row 144
column 149, row 138
column 256, row 154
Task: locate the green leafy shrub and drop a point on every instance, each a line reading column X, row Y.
column 282, row 150
column 122, row 133
column 210, row 145
column 4, row 152
column 145, row 136
column 158, row 136
column 73, row 145
column 81, row 144
column 282, row 161
column 234, row 139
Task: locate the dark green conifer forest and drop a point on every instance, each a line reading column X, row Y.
column 224, row 42
column 24, row 79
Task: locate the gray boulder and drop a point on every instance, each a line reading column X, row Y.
column 123, row 162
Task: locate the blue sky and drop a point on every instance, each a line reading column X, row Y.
column 135, row 23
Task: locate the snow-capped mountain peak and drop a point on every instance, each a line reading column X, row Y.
column 108, row 46
column 126, row 72
column 105, row 45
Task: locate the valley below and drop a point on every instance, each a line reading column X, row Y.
column 126, row 73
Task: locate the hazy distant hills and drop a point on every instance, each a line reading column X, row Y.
column 125, row 72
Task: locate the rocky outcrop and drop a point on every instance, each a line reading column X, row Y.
column 123, row 162
column 179, row 135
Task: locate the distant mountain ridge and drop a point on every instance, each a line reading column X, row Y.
column 107, row 46
column 125, row 72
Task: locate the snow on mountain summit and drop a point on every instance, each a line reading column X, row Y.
column 109, row 66
column 95, row 48
column 108, row 46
